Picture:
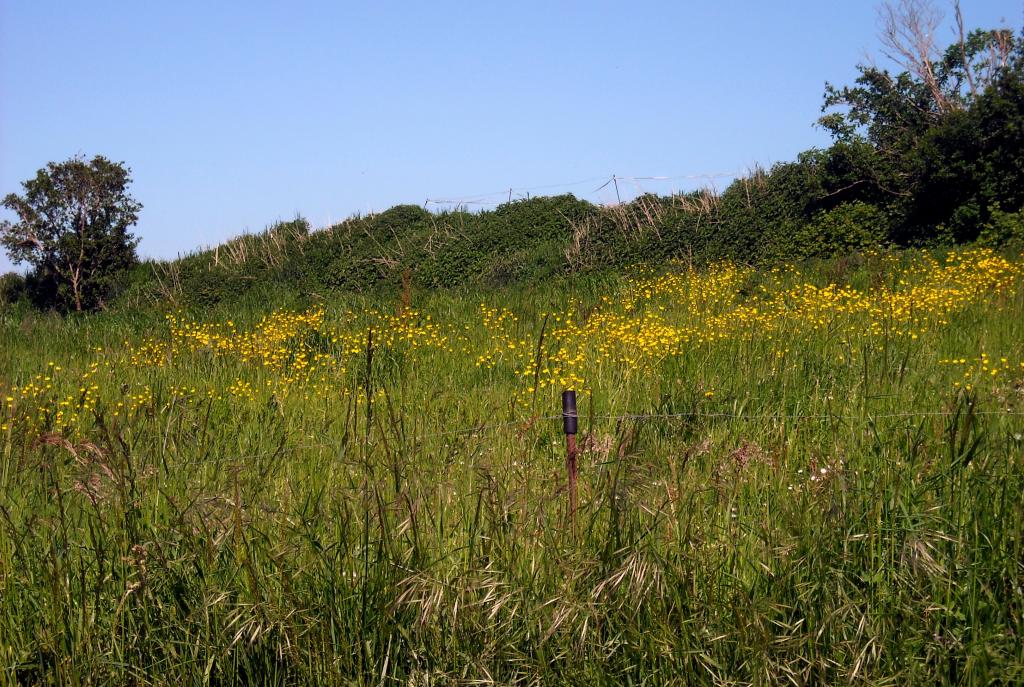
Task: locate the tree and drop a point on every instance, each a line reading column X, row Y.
column 73, row 229
column 892, row 110
column 937, row 144
column 953, row 78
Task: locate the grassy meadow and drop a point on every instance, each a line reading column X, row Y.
column 801, row 475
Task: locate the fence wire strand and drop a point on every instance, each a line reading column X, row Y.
column 497, row 197
column 529, row 423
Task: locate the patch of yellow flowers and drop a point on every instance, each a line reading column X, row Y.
column 653, row 317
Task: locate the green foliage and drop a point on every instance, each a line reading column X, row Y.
column 936, row 157
column 760, row 216
column 12, row 288
column 844, row 229
column 73, row 229
column 1003, row 230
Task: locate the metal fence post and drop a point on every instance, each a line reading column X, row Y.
column 570, row 421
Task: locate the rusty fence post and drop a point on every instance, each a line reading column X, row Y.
column 570, row 420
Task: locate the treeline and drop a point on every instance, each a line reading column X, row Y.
column 933, row 155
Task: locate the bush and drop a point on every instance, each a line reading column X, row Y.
column 846, row 228
column 12, row 288
column 1003, row 230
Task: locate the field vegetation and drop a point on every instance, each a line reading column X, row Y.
column 806, row 474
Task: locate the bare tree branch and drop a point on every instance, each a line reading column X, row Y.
column 963, row 49
column 908, row 36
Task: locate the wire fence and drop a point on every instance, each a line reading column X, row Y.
column 527, row 424
column 638, row 184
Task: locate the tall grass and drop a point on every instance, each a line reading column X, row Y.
column 811, row 504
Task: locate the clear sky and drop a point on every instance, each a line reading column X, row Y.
column 234, row 115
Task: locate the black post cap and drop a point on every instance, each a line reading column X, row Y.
column 569, row 417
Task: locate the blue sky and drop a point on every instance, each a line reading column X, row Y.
column 232, row 116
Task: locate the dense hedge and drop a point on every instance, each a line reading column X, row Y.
column 530, row 240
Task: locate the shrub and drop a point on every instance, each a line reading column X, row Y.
column 1003, row 230
column 843, row 229
column 12, row 288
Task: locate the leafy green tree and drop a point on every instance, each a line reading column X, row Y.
column 73, row 229
column 937, row 144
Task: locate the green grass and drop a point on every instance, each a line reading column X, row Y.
column 788, row 505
